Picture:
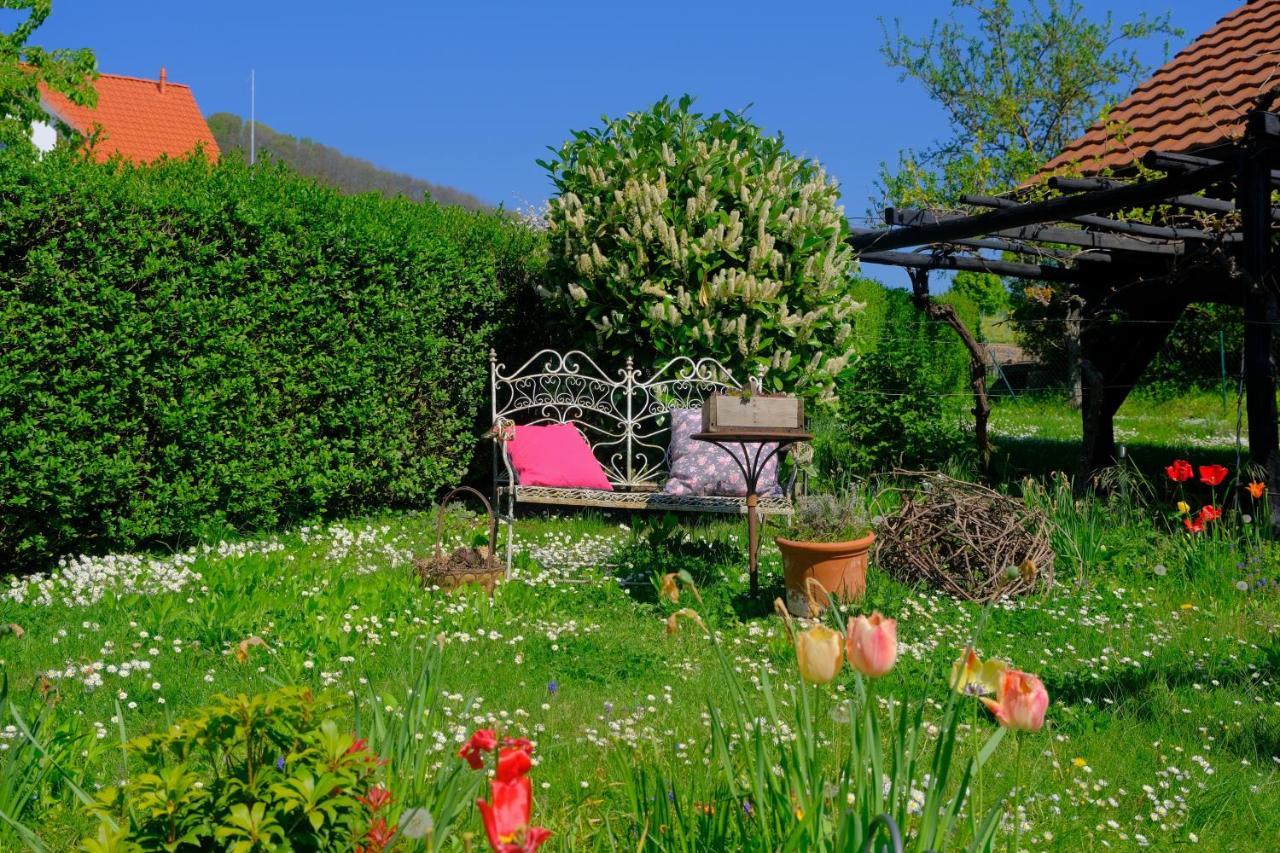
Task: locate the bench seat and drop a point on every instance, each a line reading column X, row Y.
column 600, row 499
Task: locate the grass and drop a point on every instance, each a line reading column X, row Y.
column 1165, row 724
column 1036, row 434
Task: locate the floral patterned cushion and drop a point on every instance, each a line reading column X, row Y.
column 701, row 468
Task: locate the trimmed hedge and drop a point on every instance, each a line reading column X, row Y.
column 186, row 346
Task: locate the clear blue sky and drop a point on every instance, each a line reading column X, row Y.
column 470, row 94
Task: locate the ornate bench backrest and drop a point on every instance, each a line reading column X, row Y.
column 625, row 419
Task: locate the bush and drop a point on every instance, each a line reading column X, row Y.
column 676, row 233
column 248, row 773
column 902, row 403
column 186, row 345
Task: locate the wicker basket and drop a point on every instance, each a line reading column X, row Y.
column 464, row 566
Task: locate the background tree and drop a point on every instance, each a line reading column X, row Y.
column 24, row 66
column 677, row 233
column 1016, row 88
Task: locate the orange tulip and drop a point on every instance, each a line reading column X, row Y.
column 1256, row 489
column 1021, row 701
column 872, row 644
column 818, row 654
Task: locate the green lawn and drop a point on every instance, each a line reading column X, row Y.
column 1038, row 433
column 1164, row 727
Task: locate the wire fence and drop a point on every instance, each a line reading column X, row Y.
column 1038, row 358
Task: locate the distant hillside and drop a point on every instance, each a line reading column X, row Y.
column 349, row 174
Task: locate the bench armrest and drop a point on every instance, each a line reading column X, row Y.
column 502, row 431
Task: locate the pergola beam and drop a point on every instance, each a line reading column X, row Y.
column 1192, row 202
column 970, row 263
column 1051, row 210
column 1169, row 161
column 912, row 218
column 1016, row 246
column 1137, row 229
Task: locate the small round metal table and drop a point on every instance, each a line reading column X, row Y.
column 752, row 465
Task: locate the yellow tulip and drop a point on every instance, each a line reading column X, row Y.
column 1184, row 507
column 975, row 677
column 819, row 653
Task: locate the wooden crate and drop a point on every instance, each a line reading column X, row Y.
column 754, row 413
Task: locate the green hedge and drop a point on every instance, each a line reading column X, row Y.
column 186, row 345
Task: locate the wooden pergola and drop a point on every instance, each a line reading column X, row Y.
column 1206, row 235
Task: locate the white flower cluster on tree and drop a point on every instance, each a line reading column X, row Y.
column 674, row 233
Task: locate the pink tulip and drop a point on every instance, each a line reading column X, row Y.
column 872, row 644
column 1021, row 701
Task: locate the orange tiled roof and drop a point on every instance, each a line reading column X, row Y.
column 1199, row 98
column 140, row 119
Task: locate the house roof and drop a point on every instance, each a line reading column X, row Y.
column 1198, row 99
column 139, row 119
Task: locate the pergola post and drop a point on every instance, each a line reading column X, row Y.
column 1260, row 304
column 1114, row 360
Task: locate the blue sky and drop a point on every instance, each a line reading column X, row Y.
column 470, row 94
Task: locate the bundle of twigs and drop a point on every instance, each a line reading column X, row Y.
column 965, row 539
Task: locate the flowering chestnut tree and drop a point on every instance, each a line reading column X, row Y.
column 677, row 233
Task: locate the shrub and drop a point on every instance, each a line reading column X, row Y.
column 900, row 404
column 247, row 773
column 676, row 233
column 187, row 345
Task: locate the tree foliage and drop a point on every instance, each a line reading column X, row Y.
column 23, row 66
column 1017, row 81
column 185, row 345
column 677, row 233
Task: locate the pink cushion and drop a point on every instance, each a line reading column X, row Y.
column 555, row 455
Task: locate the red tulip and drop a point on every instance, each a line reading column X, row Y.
column 483, row 740
column 1210, row 513
column 1021, row 701
column 1180, row 471
column 507, row 812
column 1212, row 475
column 506, row 818
column 1193, row 525
column 513, row 762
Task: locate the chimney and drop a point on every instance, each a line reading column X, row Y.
column 163, row 77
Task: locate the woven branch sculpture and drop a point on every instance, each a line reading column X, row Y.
column 965, row 539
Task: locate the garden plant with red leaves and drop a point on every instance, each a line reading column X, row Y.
column 508, row 811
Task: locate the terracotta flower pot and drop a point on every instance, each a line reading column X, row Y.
column 839, row 567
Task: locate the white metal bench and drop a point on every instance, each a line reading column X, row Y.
column 625, row 420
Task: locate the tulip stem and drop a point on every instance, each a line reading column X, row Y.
column 976, row 801
column 1017, row 790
